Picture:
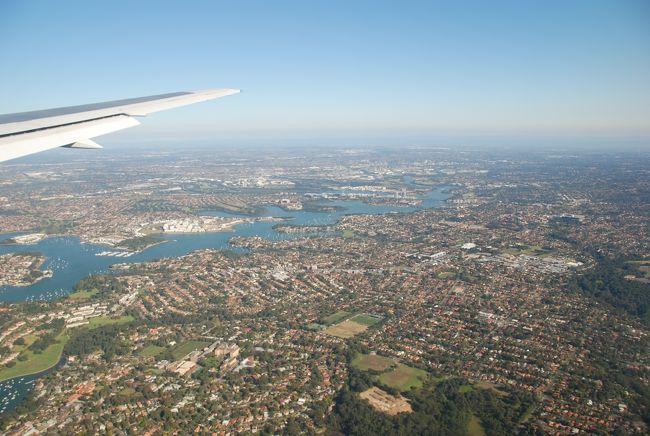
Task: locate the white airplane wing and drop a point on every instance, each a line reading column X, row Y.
column 30, row 132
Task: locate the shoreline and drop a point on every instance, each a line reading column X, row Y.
column 45, row 274
column 58, row 359
column 36, row 373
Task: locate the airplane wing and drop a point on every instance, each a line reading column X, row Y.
column 31, row 132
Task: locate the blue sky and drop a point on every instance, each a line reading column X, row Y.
column 352, row 69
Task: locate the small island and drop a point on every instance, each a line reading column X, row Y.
column 22, row 269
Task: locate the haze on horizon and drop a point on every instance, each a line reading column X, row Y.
column 372, row 71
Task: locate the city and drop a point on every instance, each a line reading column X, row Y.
column 510, row 283
column 328, row 218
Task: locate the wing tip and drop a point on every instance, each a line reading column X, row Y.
column 217, row 92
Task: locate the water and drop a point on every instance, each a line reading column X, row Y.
column 15, row 390
column 71, row 260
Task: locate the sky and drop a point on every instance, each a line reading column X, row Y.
column 340, row 70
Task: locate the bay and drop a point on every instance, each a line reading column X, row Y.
column 71, row 260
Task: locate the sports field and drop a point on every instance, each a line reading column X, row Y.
column 373, row 362
column 336, row 317
column 346, row 329
column 365, row 319
column 403, row 377
column 182, row 350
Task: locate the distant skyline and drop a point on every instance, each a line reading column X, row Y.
column 353, row 70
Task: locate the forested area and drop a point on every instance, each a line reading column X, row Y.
column 103, row 283
column 439, row 408
column 105, row 339
column 607, row 283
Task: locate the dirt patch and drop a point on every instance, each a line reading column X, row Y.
column 346, row 329
column 385, row 402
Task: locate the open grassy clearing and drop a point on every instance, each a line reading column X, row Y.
column 82, row 295
column 443, row 275
column 346, row 329
column 474, row 426
column 127, row 392
column 336, row 317
column 183, row 349
column 29, row 340
column 403, row 377
column 365, row 319
column 36, row 362
column 151, row 351
column 101, row 321
column 373, row 362
column 642, row 266
column 491, row 386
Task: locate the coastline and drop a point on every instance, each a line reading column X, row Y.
column 44, row 274
column 61, row 342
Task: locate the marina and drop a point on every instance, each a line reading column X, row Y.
column 116, row 253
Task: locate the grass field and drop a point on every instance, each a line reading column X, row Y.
column 347, row 233
column 474, row 426
column 29, row 340
column 181, row 350
column 403, row 377
column 127, row 392
column 446, row 275
column 643, row 266
column 365, row 362
column 107, row 320
column 346, row 329
column 491, row 386
column 531, row 250
column 36, row 362
column 151, row 351
column 336, row 317
column 465, row 388
column 365, row 319
column 82, row 295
